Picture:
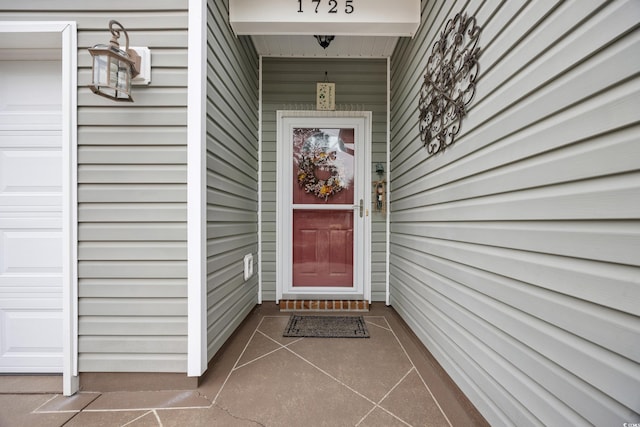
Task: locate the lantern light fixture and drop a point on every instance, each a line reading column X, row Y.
column 114, row 68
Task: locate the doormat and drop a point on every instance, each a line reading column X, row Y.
column 326, row 327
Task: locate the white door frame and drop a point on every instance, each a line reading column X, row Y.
column 64, row 37
column 286, row 120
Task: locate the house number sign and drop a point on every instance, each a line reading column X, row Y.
column 326, row 6
column 337, row 17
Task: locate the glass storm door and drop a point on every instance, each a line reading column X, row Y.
column 322, row 188
column 323, row 206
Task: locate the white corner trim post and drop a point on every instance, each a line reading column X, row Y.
column 196, row 191
column 260, row 181
column 70, row 374
column 388, row 195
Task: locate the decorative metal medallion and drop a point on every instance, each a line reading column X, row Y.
column 449, row 83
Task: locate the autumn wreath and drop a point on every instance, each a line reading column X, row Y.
column 319, row 160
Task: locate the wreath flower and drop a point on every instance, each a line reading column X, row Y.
column 314, row 160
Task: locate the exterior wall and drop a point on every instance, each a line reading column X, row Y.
column 514, row 254
column 290, row 84
column 232, row 175
column 132, row 190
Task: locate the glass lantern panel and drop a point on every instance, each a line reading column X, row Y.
column 100, row 74
column 124, row 72
column 113, row 72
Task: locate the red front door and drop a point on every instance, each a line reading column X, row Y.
column 322, row 210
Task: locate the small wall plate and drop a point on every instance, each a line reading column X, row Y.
column 144, row 78
column 248, row 266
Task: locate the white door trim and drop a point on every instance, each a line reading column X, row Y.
column 362, row 264
column 66, row 34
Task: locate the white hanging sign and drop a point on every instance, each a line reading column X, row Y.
column 325, row 96
column 334, row 17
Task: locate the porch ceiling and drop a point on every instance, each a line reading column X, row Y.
column 341, row 46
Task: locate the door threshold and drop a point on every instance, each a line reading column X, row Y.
column 320, row 305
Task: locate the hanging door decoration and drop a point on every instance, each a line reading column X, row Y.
column 320, row 171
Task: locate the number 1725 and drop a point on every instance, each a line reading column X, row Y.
column 328, row 6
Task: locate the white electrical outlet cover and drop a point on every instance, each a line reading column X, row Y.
column 248, row 266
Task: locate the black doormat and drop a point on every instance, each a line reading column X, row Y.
column 326, row 327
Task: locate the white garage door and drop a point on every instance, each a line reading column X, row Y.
column 30, row 217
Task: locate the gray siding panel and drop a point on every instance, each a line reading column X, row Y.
column 101, row 154
column 133, row 344
column 113, row 138
column 132, row 190
column 289, row 83
column 132, row 288
column 123, row 116
column 232, row 175
column 133, row 270
column 124, row 193
column 132, row 212
column 514, row 252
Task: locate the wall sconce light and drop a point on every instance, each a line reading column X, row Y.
column 325, row 41
column 380, row 169
column 114, row 68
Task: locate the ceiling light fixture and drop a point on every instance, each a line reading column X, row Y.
column 325, row 41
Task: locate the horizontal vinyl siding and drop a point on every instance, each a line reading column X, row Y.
column 232, row 176
column 514, row 252
column 132, row 193
column 290, row 84
column 132, row 190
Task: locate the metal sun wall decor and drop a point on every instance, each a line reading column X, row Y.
column 449, row 83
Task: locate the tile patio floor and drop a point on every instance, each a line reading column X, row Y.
column 260, row 378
